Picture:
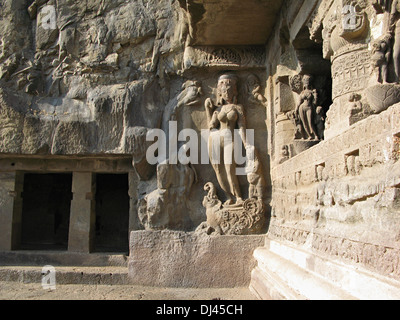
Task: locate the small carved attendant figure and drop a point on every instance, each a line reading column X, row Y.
column 320, row 117
column 284, row 154
column 395, row 30
column 380, row 58
column 227, row 115
column 254, row 89
column 392, row 9
column 355, row 105
column 306, row 109
column 255, row 177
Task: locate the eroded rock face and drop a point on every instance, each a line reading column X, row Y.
column 86, row 74
column 92, row 78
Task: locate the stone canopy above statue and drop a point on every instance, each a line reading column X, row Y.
column 231, row 22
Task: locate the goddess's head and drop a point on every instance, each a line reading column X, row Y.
column 307, row 82
column 227, row 89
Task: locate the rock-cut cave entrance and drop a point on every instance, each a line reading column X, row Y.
column 112, row 213
column 46, row 211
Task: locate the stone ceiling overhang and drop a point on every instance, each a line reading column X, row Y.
column 231, row 22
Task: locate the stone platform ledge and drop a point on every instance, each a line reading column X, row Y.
column 288, row 273
column 61, row 258
column 191, row 260
column 374, row 130
column 67, row 275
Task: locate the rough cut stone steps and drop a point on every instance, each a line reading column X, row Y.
column 71, row 268
column 61, row 258
column 67, row 275
column 278, row 278
column 285, row 272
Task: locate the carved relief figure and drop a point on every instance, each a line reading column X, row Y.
column 386, row 50
column 139, row 147
column 306, row 109
column 254, row 89
column 395, row 30
column 35, row 83
column 284, row 154
column 392, row 8
column 380, row 58
column 227, row 114
column 355, row 104
column 191, row 92
column 243, row 216
column 167, row 207
column 256, row 179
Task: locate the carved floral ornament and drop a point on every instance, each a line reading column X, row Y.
column 226, row 57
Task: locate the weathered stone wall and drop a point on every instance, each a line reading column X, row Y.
column 335, row 198
column 340, row 198
column 78, row 88
column 76, row 95
column 93, row 84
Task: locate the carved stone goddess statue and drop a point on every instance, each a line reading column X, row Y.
column 306, row 109
column 226, row 115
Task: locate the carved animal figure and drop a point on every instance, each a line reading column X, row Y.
column 166, row 207
column 190, row 95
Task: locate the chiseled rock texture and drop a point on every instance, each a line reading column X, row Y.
column 104, row 60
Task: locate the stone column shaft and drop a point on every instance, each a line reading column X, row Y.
column 83, row 216
column 11, row 186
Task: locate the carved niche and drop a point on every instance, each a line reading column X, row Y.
column 309, row 115
column 236, row 216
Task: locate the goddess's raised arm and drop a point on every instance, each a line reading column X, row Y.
column 242, row 124
column 209, row 110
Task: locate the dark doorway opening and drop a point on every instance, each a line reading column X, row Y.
column 46, row 211
column 112, row 213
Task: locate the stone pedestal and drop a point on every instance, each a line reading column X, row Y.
column 82, row 221
column 190, row 260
